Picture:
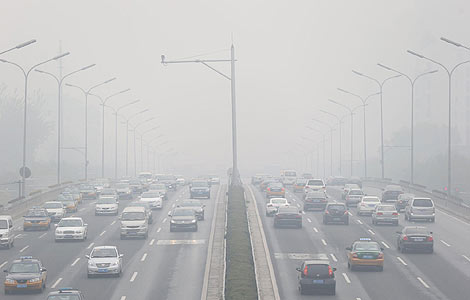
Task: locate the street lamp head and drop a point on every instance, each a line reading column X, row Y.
column 357, row 73
column 25, row 44
column 163, row 59
column 3, row 61
column 39, row 71
column 109, row 80
column 385, row 67
column 123, row 91
column 415, row 54
column 61, row 55
column 451, row 42
column 87, row 67
column 433, row 71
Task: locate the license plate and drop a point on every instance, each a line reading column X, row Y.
column 132, row 233
column 419, row 239
column 336, row 219
column 21, row 286
column 318, row 281
column 367, row 256
column 102, row 270
column 68, row 236
column 316, row 200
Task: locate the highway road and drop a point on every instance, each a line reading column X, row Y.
column 165, row 266
column 442, row 275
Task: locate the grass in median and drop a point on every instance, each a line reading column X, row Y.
column 240, row 281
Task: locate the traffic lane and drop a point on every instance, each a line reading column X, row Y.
column 376, row 285
column 102, row 287
column 289, row 247
column 174, row 262
column 59, row 256
column 441, row 269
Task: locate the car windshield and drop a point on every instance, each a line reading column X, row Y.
column 63, row 296
column 104, row 200
column 278, row 201
column 3, row 224
column 288, row 210
column 415, row 230
column 183, row 212
column 200, row 184
column 366, row 246
column 139, row 204
column 191, row 203
column 337, row 207
column 63, row 197
column 70, row 223
column 122, row 185
column 157, row 187
column 315, row 182
column 275, row 185
column 108, row 192
column 24, row 267
column 133, row 216
column 53, row 205
column 422, row 203
column 355, row 192
column 290, row 174
column 386, row 208
column 370, row 199
column 150, row 195
column 104, row 252
column 36, row 213
column 317, row 269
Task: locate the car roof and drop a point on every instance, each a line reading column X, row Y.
column 72, row 218
column 104, row 247
column 5, row 217
column 134, row 209
column 26, row 259
column 315, row 194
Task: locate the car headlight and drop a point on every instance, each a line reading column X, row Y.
column 37, row 279
column 91, row 263
column 78, row 231
column 114, row 264
column 172, row 221
column 9, row 281
column 193, row 221
column 58, row 231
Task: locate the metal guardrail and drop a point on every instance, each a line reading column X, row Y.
column 451, row 204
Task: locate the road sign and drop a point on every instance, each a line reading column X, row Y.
column 27, row 172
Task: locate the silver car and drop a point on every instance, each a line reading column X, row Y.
column 367, row 205
column 385, row 213
column 420, row 209
column 104, row 260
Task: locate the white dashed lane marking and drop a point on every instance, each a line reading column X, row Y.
column 75, row 261
column 133, row 277
column 359, row 221
column 346, row 278
column 308, row 219
column 402, row 261
column 24, row 248
column 333, row 257
column 3, row 264
column 444, row 242
column 164, row 220
column 56, row 283
column 323, row 242
column 371, row 232
column 423, row 282
column 464, row 256
column 385, row 245
column 42, row 235
column 159, row 229
column 113, row 222
column 151, row 242
column 315, row 229
column 91, row 245
column 143, row 257
column 101, row 234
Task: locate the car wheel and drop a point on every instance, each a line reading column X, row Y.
column 380, row 269
column 433, row 220
column 301, row 290
column 333, row 292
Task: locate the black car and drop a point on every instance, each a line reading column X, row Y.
column 315, row 200
column 317, row 275
column 391, row 193
column 183, row 218
column 196, row 205
column 199, row 189
column 336, row 213
column 288, row 216
column 416, row 238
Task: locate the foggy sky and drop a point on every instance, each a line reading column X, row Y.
column 292, row 55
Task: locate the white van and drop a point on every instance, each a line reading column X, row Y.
column 7, row 236
column 420, row 209
column 134, row 222
column 288, row 177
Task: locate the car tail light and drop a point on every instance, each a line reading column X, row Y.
column 327, row 212
column 380, row 214
column 298, row 216
column 395, row 214
column 405, row 238
column 306, row 271
column 269, row 189
column 283, row 189
column 345, row 212
column 381, row 255
column 354, row 255
column 330, row 271
column 430, row 239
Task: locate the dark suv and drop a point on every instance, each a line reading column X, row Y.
column 336, row 213
column 315, row 200
column 317, row 275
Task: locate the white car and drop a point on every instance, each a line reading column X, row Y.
column 104, row 260
column 7, row 236
column 55, row 210
column 274, row 204
column 314, row 185
column 153, row 199
column 180, row 180
column 215, row 180
column 124, row 191
column 159, row 188
column 106, row 206
column 71, row 229
column 367, row 205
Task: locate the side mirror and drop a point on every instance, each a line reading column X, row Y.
column 169, row 214
column 85, row 225
column 399, row 232
column 382, row 249
column 121, row 255
column 334, row 269
column 298, row 269
column 300, row 211
column 87, row 256
column 348, row 248
column 430, row 232
column 5, row 271
column 43, row 270
column 56, row 225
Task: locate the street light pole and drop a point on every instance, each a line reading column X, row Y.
column 364, row 103
column 103, row 104
column 135, row 133
column 412, row 83
column 331, row 142
column 87, row 93
column 116, row 112
column 449, row 72
column 380, row 84
column 323, row 150
column 25, row 109
column 127, row 136
column 235, row 172
column 339, row 125
column 142, row 146
column 59, row 81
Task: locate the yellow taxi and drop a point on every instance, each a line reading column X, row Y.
column 299, row 185
column 25, row 274
column 365, row 253
column 275, row 190
column 36, row 218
